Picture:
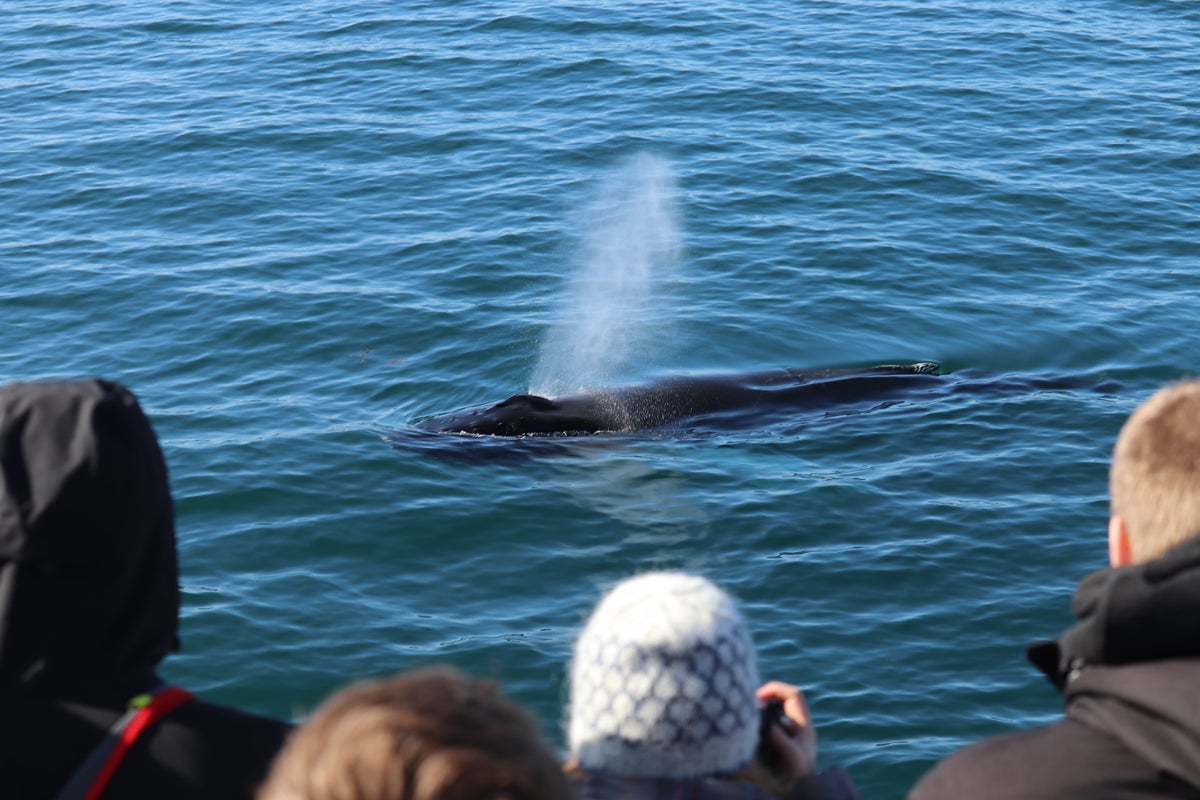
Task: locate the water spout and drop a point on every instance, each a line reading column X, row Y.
column 613, row 320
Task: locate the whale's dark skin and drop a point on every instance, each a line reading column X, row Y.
column 675, row 400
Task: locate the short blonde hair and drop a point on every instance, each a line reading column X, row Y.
column 1154, row 482
column 431, row 734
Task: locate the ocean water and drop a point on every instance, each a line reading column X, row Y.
column 297, row 228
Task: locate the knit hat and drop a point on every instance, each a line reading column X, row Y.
column 663, row 682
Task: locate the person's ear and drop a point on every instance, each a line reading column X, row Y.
column 1119, row 552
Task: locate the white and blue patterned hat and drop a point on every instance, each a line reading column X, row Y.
column 663, row 682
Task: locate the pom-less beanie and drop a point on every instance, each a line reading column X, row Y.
column 663, row 682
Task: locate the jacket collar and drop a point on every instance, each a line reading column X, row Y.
column 1142, row 612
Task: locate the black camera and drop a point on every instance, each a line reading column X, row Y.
column 770, row 716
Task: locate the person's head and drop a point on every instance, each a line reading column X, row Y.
column 1154, row 481
column 663, row 682
column 431, row 734
column 89, row 589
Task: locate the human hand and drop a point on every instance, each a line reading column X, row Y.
column 794, row 745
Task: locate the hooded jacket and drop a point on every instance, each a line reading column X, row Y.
column 89, row 604
column 1129, row 671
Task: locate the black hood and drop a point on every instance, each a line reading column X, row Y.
column 1129, row 615
column 89, row 583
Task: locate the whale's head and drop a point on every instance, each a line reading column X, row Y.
column 519, row 415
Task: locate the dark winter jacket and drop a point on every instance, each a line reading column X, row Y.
column 89, row 604
column 832, row 784
column 1129, row 671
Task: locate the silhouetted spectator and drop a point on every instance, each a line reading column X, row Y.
column 89, row 606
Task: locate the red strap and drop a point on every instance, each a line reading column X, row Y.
column 159, row 706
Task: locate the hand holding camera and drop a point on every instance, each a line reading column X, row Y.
column 787, row 749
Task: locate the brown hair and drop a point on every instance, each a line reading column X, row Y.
column 432, row 734
column 1154, row 482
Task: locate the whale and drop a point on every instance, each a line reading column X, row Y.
column 679, row 400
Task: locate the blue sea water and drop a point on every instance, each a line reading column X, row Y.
column 294, row 229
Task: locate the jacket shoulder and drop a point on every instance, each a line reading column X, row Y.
column 1064, row 760
column 202, row 750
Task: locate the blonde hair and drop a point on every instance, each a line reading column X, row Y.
column 1154, row 482
column 431, row 734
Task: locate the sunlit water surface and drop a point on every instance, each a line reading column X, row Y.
column 295, row 229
